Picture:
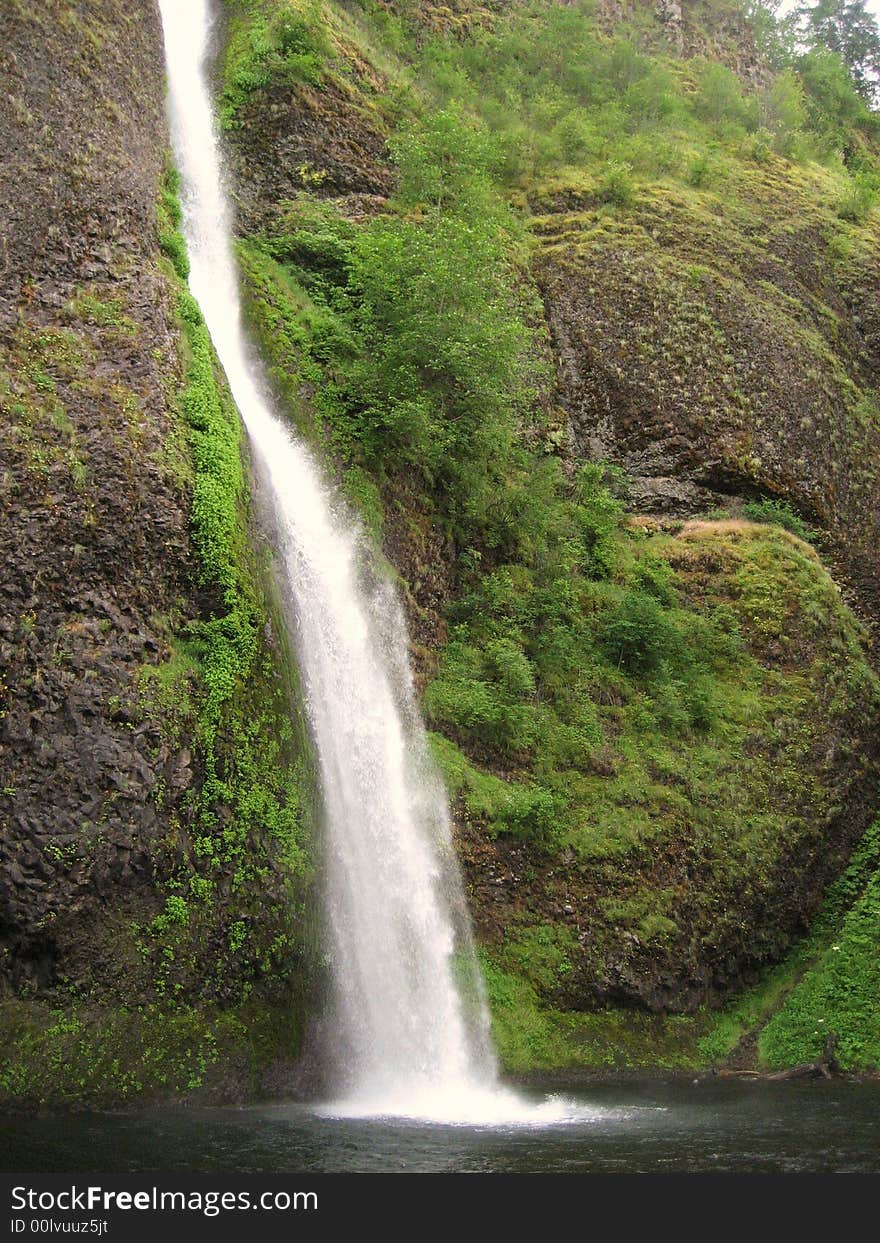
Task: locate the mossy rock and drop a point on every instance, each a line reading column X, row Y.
column 686, row 858
column 714, row 344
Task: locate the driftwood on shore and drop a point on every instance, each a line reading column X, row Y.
column 827, row 1066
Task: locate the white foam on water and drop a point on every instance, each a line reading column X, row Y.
column 494, row 1108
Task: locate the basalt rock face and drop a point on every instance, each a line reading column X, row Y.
column 306, row 140
column 94, row 521
column 103, row 817
column 694, row 28
column 82, row 130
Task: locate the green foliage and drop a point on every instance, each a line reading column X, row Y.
column 442, row 374
column 616, row 184
column 523, row 809
column 287, row 47
column 722, row 102
column 839, row 992
column 108, row 1058
column 699, row 172
column 848, row 30
column 780, row 513
column 418, row 322
column 176, row 912
column 859, row 199
column 784, row 113
column 834, row 107
column 542, row 954
column 168, row 212
column 225, row 648
column 639, row 635
column 554, row 90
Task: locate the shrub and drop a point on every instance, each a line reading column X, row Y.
column 616, row 184
column 638, row 634
column 780, row 513
column 721, row 101
column 699, row 170
column 292, row 46
column 859, row 199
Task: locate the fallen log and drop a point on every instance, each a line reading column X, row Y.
column 826, row 1065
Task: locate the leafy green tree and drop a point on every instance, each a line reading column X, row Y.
column 721, row 100
column 834, row 104
column 775, row 32
column 783, row 107
column 848, row 29
column 445, row 370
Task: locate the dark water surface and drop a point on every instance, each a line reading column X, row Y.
column 628, row 1125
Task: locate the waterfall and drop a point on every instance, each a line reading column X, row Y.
column 407, row 1022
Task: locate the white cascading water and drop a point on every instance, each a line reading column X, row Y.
column 407, row 1012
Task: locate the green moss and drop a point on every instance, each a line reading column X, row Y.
column 839, row 991
column 271, row 45
column 104, row 313
column 530, row 1035
column 240, row 881
column 168, row 214
column 105, row 1058
column 37, row 368
column 827, row 984
column 542, row 954
column 681, row 681
column 291, row 330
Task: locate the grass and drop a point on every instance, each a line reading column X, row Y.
column 814, row 991
column 839, row 989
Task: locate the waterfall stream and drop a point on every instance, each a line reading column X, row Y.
column 406, row 1027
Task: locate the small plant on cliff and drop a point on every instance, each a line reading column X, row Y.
column 616, row 184
column 859, row 199
column 639, row 635
column 290, row 46
column 780, row 513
